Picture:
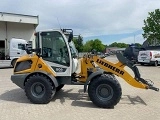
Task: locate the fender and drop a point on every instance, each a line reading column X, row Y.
column 94, row 74
column 54, row 80
column 20, row 79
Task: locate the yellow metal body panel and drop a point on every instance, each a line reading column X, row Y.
column 85, row 64
column 38, row 64
column 33, row 58
column 44, row 67
column 117, row 69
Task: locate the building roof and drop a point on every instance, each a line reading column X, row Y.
column 19, row 18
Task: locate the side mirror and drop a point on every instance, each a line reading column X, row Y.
column 70, row 37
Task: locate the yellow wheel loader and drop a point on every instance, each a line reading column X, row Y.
column 54, row 63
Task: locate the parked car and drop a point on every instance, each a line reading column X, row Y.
column 131, row 53
column 100, row 54
column 151, row 57
column 106, row 54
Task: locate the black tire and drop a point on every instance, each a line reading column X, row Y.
column 13, row 62
column 39, row 89
column 105, row 91
column 59, row 87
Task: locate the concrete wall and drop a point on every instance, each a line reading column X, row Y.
column 2, row 31
column 24, row 31
column 10, row 30
column 19, row 18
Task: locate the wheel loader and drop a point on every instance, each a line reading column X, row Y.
column 54, row 63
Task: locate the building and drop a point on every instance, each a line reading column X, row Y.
column 16, row 26
column 114, row 49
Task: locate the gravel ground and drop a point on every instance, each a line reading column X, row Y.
column 71, row 103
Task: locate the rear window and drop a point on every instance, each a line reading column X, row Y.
column 143, row 53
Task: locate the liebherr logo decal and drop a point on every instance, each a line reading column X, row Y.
column 110, row 67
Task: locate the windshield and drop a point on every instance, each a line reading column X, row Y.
column 73, row 49
column 54, row 48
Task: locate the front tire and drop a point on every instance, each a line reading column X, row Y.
column 39, row 89
column 105, row 91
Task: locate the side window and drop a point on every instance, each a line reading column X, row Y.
column 21, row 46
column 54, row 48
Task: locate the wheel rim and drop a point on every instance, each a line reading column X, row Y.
column 38, row 90
column 104, row 92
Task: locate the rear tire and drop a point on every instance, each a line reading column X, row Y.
column 105, row 91
column 39, row 89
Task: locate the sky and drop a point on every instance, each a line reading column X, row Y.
column 107, row 20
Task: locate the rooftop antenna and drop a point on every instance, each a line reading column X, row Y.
column 134, row 38
column 59, row 23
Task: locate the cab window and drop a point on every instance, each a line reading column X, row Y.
column 54, row 48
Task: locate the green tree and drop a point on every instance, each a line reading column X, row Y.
column 94, row 44
column 98, row 46
column 138, row 44
column 152, row 27
column 119, row 45
column 88, row 46
column 78, row 41
column 113, row 44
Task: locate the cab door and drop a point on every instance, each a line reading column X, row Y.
column 56, row 53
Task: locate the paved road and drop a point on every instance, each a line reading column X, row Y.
column 72, row 104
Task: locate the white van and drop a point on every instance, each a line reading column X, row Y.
column 16, row 50
column 151, row 57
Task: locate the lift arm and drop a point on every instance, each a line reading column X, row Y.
column 118, row 69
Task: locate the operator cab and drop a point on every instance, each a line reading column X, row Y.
column 58, row 51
